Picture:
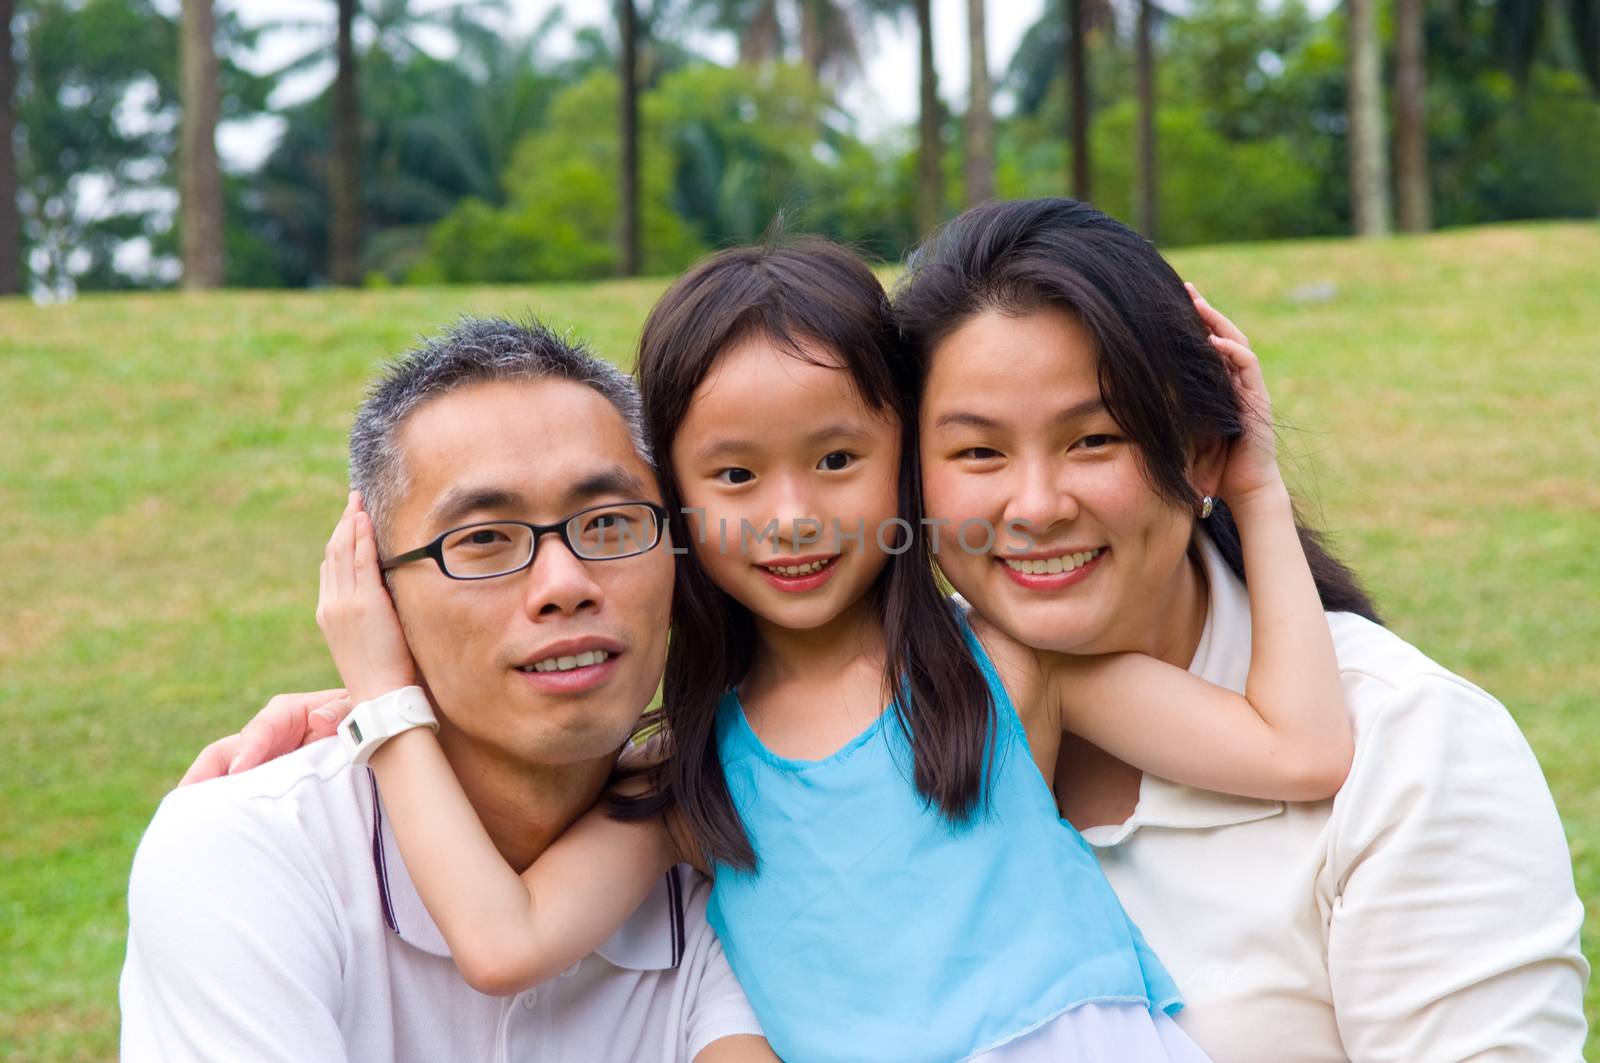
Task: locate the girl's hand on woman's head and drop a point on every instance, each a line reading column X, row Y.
column 356, row 615
column 1252, row 465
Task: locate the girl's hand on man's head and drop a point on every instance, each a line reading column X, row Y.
column 355, row 612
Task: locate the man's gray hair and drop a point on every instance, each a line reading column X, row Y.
column 474, row 350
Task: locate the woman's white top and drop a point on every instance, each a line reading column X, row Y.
column 1425, row 913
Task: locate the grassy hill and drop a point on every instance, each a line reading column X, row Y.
column 170, row 466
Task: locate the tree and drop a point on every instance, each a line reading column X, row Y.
column 979, row 156
column 930, row 144
column 1369, row 165
column 10, row 219
column 1522, row 28
column 630, row 253
column 1077, row 67
column 344, row 164
column 1414, row 194
column 200, row 174
column 829, row 41
column 1149, row 189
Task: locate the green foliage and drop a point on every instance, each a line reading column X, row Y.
column 561, row 204
column 725, row 151
column 472, row 171
column 1211, row 190
column 1504, row 151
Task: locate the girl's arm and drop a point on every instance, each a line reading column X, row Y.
column 506, row 931
column 1288, row 737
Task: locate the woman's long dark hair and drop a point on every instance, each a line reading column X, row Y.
column 807, row 292
column 1160, row 378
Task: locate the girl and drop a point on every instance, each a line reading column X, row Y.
column 889, row 883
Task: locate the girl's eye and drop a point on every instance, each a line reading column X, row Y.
column 1096, row 442
column 979, row 453
column 836, row 461
column 735, row 476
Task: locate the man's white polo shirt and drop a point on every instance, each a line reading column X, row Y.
column 271, row 918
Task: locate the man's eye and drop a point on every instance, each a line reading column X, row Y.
column 735, row 476
column 836, row 461
column 485, row 537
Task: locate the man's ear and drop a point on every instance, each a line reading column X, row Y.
column 1205, row 469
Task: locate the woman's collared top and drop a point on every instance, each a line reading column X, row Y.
column 876, row 930
column 1425, row 913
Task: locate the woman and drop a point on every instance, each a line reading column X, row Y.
column 1425, row 913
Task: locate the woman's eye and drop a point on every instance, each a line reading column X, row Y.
column 1095, row 442
column 979, row 453
column 836, row 461
column 735, row 476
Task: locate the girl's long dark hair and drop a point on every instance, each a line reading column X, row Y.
column 806, row 292
column 1160, row 378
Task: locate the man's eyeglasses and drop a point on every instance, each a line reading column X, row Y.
column 501, row 547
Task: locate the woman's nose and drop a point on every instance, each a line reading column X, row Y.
column 1041, row 499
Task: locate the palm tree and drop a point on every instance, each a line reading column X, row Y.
column 1414, row 197
column 10, row 219
column 980, row 111
column 828, row 34
column 1056, row 46
column 344, row 164
column 199, row 173
column 1521, row 27
column 1369, row 165
column 394, row 26
column 1146, row 62
column 1077, row 67
column 930, row 144
column 630, row 256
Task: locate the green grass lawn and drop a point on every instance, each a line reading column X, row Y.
column 170, row 466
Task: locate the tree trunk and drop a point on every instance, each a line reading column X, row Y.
column 1369, row 168
column 199, row 174
column 812, row 35
column 930, row 175
column 1077, row 79
column 1415, row 199
column 760, row 39
column 629, row 258
column 10, row 220
column 344, row 165
column 1146, row 60
column 980, row 111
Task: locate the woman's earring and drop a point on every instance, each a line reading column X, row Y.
column 1207, row 504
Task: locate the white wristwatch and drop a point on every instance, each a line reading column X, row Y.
column 372, row 723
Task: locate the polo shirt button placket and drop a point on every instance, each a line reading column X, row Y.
column 530, row 999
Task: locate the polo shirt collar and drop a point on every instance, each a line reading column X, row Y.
column 1223, row 658
column 651, row 940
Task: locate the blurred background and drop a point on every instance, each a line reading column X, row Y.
column 217, row 217
column 295, row 143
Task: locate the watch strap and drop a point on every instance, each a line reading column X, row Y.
column 372, row 723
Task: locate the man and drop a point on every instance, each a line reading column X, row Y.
column 270, row 913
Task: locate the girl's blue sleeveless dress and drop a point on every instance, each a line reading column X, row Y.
column 875, row 930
